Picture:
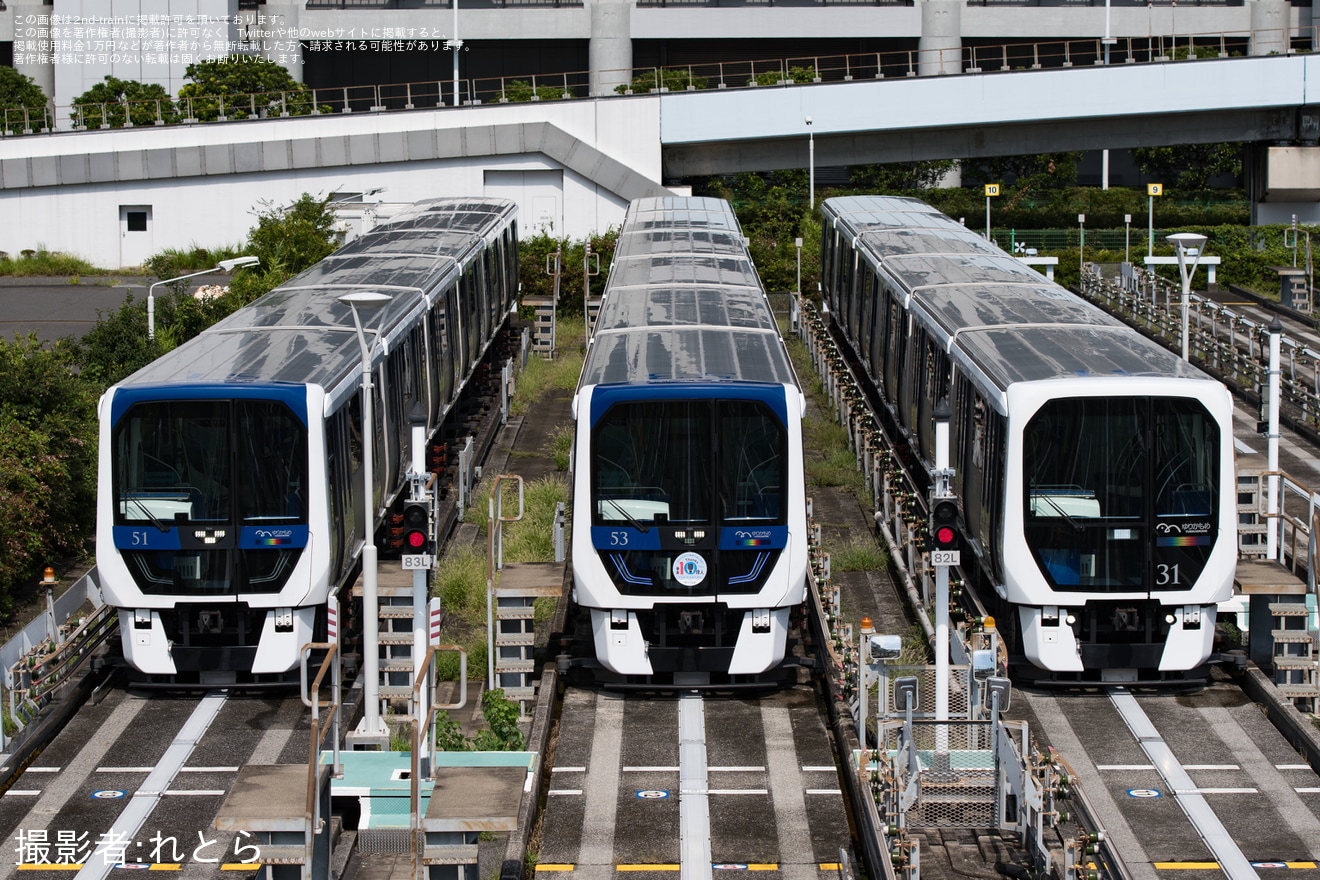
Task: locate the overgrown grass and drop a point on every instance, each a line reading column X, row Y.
column 43, row 262
column 862, row 553
column 561, row 446
column 531, row 539
column 561, row 373
column 173, row 262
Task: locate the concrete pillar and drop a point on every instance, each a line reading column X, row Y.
column 275, row 25
column 26, row 44
column 610, row 49
column 940, row 48
column 1271, row 26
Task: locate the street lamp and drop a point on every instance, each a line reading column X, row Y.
column 222, row 266
column 811, row 166
column 455, row 45
column 370, row 726
column 1186, row 242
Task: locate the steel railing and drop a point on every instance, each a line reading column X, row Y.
column 756, row 73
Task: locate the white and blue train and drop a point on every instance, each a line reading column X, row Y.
column 230, row 500
column 689, row 516
column 1095, row 467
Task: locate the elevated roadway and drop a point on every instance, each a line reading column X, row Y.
column 116, row 196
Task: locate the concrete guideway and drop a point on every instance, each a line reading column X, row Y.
column 1201, row 779
column 692, row 784
column 591, row 156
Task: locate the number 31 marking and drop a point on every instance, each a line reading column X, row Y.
column 1167, row 574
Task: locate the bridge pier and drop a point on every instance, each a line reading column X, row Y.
column 1282, row 180
column 610, row 47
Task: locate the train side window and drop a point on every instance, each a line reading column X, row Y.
column 866, row 293
column 876, row 342
column 894, row 351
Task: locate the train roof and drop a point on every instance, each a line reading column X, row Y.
column 990, row 310
column 683, row 302
column 300, row 333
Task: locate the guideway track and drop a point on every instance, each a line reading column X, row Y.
column 694, row 783
column 1200, row 783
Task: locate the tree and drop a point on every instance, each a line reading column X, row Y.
column 1044, row 171
column 901, row 177
column 113, row 101
column 287, row 239
column 22, row 102
column 47, row 460
column 241, row 86
column 1190, row 166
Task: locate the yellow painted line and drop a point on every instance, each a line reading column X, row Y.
column 34, row 866
column 165, row 866
column 648, row 867
column 829, row 866
column 762, row 867
column 241, row 866
column 556, row 867
column 1186, row 866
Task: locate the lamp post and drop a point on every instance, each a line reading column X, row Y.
column 811, row 167
column 1184, row 242
column 1081, row 245
column 370, row 725
column 222, row 266
column 1272, row 536
column 455, row 45
column 1127, row 238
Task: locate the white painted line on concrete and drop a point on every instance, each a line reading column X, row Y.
column 650, row 769
column 563, row 791
column 568, row 769
column 124, row 769
column 23, row 792
column 148, row 796
column 736, row 769
column 693, row 804
column 208, row 792
column 823, row 791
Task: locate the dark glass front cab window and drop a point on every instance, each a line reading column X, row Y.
column 1120, row 493
column 687, row 469
column 208, row 469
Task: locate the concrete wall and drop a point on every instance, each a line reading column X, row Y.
column 200, row 185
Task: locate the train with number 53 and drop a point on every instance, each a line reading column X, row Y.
column 689, row 515
column 230, row 502
column 1094, row 467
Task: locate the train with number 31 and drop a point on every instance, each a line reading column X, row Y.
column 1094, row 467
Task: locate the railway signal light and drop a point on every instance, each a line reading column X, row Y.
column 944, row 524
column 417, row 527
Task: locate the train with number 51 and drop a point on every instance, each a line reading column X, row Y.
column 1094, row 467
column 231, row 483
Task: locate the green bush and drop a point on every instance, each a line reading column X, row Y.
column 670, row 80
column 520, row 91
column 114, row 102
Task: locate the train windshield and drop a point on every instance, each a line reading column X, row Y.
column 1109, row 479
column 670, row 477
column 215, row 471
